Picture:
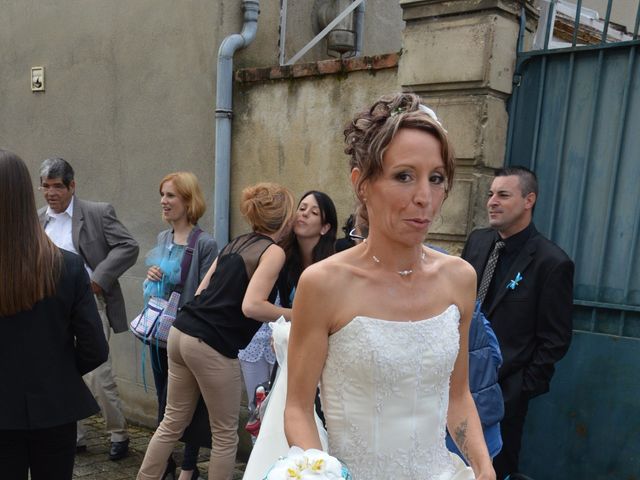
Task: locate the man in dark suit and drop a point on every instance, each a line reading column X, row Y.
column 93, row 231
column 525, row 284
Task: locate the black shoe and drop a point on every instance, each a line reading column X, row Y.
column 170, row 471
column 81, row 448
column 119, row 450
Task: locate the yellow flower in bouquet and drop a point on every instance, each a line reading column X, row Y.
column 309, row 464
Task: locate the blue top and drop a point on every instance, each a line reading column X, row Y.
column 204, row 254
column 484, row 361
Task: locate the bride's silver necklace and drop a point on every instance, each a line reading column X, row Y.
column 402, row 273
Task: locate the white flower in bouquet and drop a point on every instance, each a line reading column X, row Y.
column 309, row 464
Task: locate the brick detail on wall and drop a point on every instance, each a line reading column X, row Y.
column 315, row 69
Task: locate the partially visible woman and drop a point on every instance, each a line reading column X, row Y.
column 347, row 241
column 51, row 334
column 182, row 205
column 312, row 239
column 230, row 304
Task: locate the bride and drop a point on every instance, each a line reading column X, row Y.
column 383, row 326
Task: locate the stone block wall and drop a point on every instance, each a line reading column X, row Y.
column 460, row 57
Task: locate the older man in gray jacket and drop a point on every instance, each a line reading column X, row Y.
column 93, row 231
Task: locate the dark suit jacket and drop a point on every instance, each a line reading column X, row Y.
column 109, row 250
column 45, row 351
column 533, row 321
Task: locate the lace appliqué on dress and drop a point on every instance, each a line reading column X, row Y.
column 385, row 394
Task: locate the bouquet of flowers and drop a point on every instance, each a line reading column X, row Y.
column 309, row 464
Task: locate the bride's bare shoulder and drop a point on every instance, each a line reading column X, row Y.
column 454, row 267
column 331, row 274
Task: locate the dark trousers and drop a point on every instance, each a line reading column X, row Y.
column 160, row 367
column 511, row 426
column 47, row 453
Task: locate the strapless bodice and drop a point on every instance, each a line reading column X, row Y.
column 385, row 394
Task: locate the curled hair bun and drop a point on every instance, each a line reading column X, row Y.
column 257, row 196
column 360, row 132
column 370, row 132
column 266, row 206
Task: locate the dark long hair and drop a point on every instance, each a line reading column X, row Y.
column 324, row 248
column 29, row 262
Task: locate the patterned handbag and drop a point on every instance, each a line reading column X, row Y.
column 160, row 333
column 146, row 322
column 152, row 325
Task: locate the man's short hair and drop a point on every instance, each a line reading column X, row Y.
column 528, row 179
column 57, row 167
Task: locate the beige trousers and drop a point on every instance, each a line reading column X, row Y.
column 101, row 383
column 195, row 367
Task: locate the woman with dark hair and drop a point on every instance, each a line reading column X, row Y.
column 51, row 334
column 311, row 239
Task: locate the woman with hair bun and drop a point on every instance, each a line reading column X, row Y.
column 230, row 305
column 383, row 326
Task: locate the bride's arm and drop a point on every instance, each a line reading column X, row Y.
column 462, row 419
column 308, row 343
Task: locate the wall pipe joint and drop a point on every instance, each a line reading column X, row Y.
column 224, row 115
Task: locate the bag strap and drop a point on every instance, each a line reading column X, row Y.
column 185, row 264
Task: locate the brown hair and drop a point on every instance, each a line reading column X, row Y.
column 370, row 132
column 30, row 263
column 187, row 186
column 267, row 206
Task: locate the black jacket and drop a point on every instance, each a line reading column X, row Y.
column 533, row 320
column 45, row 351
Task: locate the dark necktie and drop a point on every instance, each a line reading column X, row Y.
column 489, row 269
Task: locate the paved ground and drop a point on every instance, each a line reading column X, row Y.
column 94, row 464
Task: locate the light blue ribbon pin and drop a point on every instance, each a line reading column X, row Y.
column 515, row 282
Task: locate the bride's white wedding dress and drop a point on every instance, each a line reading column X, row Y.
column 385, row 392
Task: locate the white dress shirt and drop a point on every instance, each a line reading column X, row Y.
column 59, row 229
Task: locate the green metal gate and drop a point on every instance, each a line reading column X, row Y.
column 575, row 120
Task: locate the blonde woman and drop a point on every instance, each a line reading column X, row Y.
column 231, row 302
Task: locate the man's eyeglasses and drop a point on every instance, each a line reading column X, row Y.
column 355, row 236
column 58, row 187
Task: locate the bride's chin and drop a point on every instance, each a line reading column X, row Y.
column 412, row 239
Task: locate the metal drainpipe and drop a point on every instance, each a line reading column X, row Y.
column 359, row 25
column 224, row 114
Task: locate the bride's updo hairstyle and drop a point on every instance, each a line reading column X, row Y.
column 267, row 206
column 369, row 134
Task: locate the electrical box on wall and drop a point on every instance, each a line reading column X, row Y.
column 37, row 79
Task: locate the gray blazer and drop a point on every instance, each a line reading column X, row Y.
column 204, row 253
column 107, row 247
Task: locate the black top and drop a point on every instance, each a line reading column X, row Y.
column 344, row 244
column 215, row 316
column 45, row 351
column 286, row 285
